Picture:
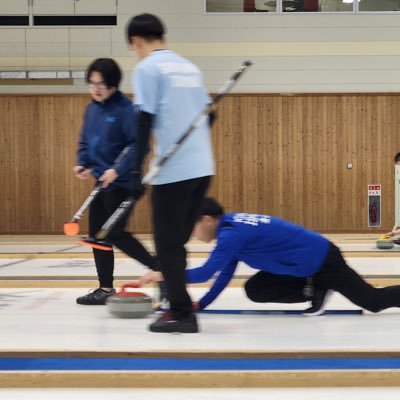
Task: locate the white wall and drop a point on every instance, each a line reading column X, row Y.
column 291, row 53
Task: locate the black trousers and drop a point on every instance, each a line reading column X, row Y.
column 101, row 208
column 334, row 274
column 175, row 209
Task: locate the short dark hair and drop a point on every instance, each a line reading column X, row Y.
column 210, row 207
column 109, row 70
column 397, row 158
column 147, row 26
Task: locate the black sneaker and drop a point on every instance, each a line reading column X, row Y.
column 318, row 302
column 166, row 324
column 96, row 298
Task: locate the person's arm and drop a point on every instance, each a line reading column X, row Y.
column 124, row 164
column 146, row 89
column 144, row 126
column 223, row 258
column 124, row 161
column 394, row 232
column 219, row 285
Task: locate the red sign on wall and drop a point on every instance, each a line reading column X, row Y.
column 374, row 205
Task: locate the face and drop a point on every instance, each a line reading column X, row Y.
column 98, row 88
column 205, row 228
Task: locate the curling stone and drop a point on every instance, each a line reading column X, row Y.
column 128, row 304
column 384, row 244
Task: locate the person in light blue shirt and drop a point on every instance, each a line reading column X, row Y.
column 169, row 96
column 171, row 89
column 294, row 264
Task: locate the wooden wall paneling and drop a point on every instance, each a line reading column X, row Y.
column 287, row 187
column 391, row 118
column 270, row 157
column 319, row 155
column 76, row 190
column 279, row 155
column 227, row 137
column 308, row 184
column 60, row 122
column 22, row 189
column 342, row 211
column 385, row 126
column 274, row 159
column 7, row 209
column 317, row 170
column 252, row 126
column 333, row 160
column 370, row 156
column 388, row 126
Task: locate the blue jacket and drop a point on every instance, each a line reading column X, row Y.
column 108, row 127
column 263, row 243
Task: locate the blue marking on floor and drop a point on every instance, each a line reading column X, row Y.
column 190, row 364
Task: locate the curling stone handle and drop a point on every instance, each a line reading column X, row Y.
column 131, row 285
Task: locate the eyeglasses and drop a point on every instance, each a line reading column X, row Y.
column 97, row 85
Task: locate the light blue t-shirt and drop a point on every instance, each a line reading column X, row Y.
column 171, row 88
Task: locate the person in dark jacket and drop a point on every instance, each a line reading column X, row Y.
column 108, row 128
column 295, row 264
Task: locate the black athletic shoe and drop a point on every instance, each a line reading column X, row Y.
column 166, row 324
column 318, row 302
column 96, row 298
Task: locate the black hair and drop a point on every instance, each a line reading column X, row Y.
column 147, row 26
column 109, row 70
column 397, row 158
column 210, row 207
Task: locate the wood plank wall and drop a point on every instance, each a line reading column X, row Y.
column 280, row 155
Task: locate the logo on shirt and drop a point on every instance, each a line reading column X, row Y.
column 111, row 119
column 252, row 219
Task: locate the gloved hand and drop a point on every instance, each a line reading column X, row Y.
column 138, row 188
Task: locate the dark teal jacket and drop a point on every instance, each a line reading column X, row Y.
column 109, row 127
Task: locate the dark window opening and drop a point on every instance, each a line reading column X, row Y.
column 53, row 20
column 7, row 20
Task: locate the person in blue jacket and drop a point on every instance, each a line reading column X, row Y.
column 295, row 264
column 109, row 126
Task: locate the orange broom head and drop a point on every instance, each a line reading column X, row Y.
column 71, row 228
column 96, row 245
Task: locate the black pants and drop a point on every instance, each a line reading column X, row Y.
column 175, row 209
column 103, row 207
column 334, row 274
